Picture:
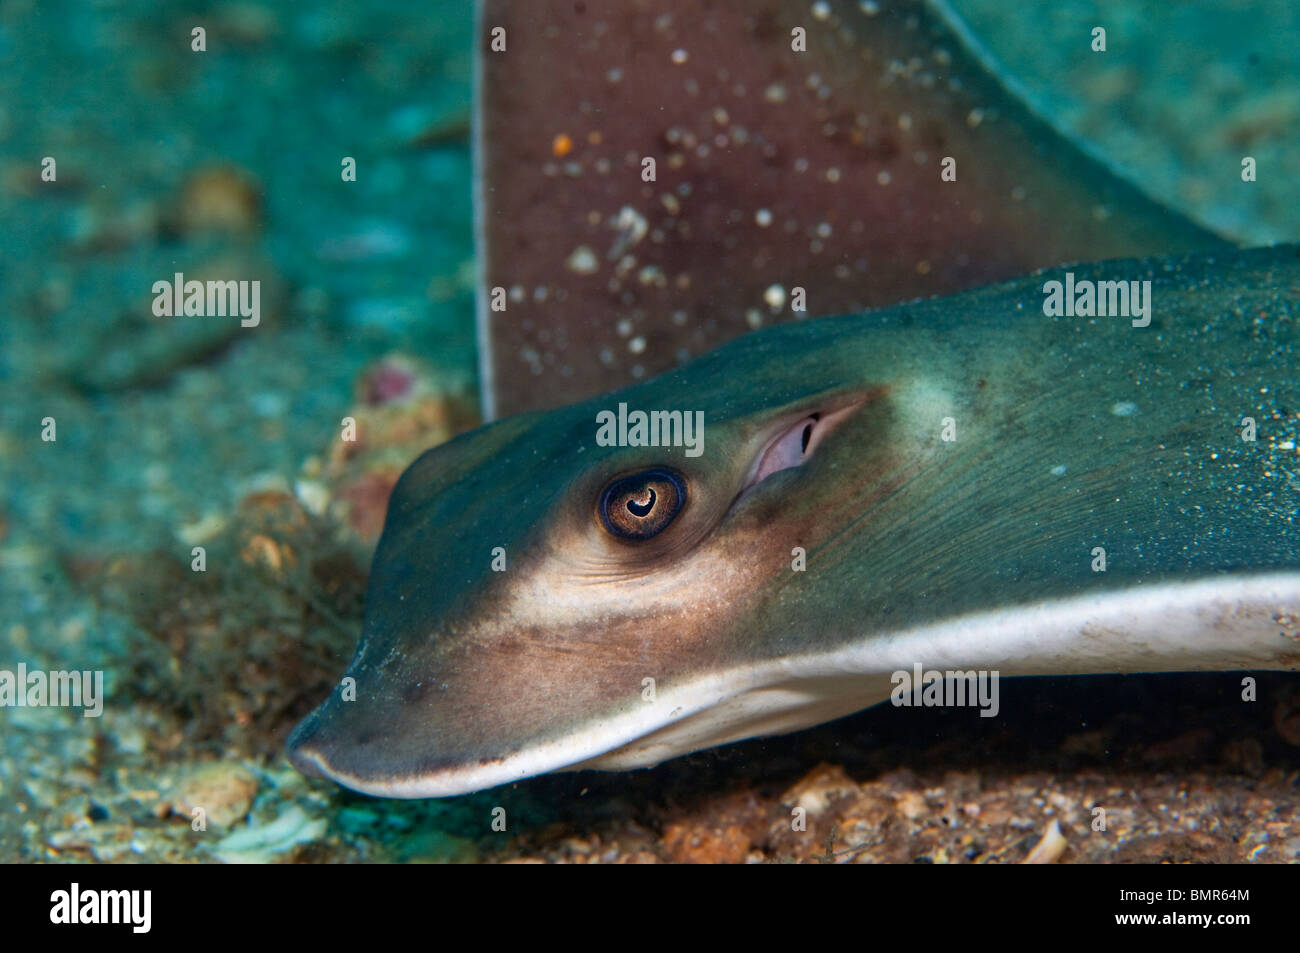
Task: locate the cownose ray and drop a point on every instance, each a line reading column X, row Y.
column 628, row 563
column 655, row 177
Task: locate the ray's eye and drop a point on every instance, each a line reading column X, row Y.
column 642, row 505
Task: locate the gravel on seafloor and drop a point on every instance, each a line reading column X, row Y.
column 928, row 789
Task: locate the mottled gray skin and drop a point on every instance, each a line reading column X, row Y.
column 461, row 667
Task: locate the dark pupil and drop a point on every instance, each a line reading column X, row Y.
column 641, row 509
column 642, row 505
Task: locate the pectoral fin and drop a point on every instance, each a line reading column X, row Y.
column 655, row 178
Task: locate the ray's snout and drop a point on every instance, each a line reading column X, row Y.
column 321, row 746
column 301, row 747
column 401, row 740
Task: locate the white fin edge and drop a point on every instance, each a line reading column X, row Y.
column 1223, row 623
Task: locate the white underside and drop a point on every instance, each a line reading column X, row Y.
column 1227, row 623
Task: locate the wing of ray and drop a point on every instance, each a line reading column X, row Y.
column 966, row 482
column 655, row 177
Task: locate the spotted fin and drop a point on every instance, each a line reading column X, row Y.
column 774, row 169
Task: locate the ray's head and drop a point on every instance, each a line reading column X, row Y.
column 539, row 598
